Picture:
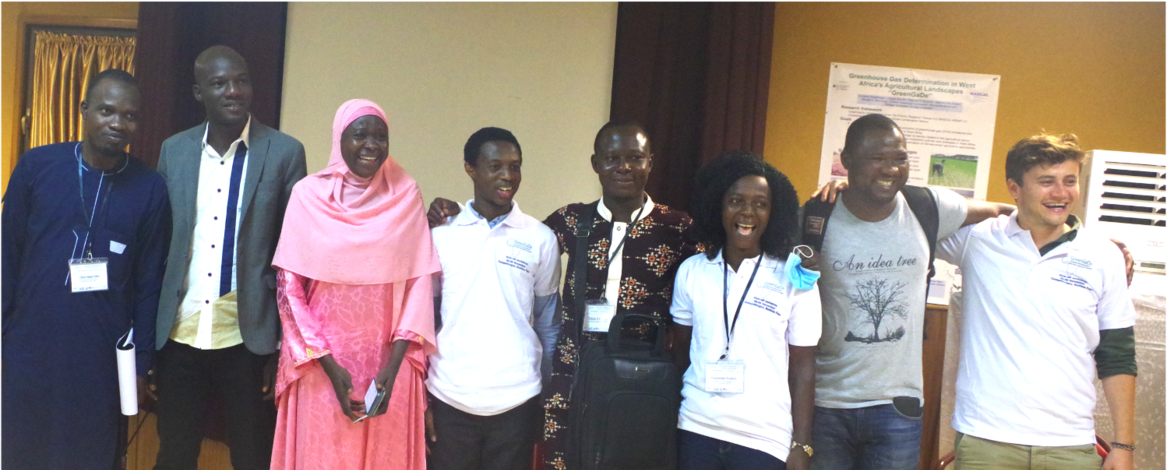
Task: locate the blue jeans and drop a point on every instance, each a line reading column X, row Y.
column 699, row 452
column 871, row 438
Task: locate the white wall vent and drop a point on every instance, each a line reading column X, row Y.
column 1125, row 198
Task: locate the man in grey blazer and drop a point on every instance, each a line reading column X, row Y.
column 218, row 328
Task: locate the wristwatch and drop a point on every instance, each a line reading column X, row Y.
column 805, row 447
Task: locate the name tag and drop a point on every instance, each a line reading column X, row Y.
column 598, row 315
column 725, row 377
column 88, row 275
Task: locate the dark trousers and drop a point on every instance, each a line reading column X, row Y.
column 188, row 378
column 699, row 452
column 470, row 442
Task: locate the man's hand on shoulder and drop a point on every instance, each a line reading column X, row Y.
column 440, row 210
column 1128, row 260
column 829, row 191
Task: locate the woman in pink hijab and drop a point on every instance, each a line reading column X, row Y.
column 354, row 262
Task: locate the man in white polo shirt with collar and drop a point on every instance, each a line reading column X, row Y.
column 497, row 309
column 1045, row 306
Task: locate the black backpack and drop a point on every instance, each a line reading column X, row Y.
column 626, row 393
column 921, row 201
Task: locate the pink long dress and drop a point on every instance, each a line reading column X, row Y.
column 356, row 324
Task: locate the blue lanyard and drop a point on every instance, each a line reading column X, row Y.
column 729, row 329
column 89, row 215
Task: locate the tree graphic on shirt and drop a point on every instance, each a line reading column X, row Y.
column 878, row 300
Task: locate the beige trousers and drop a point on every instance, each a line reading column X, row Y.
column 973, row 453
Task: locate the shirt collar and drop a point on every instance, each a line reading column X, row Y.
column 1068, row 236
column 718, row 260
column 1014, row 227
column 243, row 134
column 472, row 217
column 606, row 214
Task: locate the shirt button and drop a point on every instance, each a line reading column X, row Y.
column 206, row 301
column 218, row 190
column 215, row 218
column 208, row 274
column 213, row 246
column 221, row 163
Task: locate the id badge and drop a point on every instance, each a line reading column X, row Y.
column 598, row 314
column 725, row 377
column 88, row 274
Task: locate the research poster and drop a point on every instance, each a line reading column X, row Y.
column 948, row 119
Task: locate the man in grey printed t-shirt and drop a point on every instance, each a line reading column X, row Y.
column 874, row 263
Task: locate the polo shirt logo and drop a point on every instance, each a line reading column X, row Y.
column 1078, row 262
column 517, row 244
column 514, row 262
column 1074, row 281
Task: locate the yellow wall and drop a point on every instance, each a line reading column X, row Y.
column 443, row 70
column 12, row 66
column 1095, row 69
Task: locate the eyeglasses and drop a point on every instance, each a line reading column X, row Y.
column 635, row 162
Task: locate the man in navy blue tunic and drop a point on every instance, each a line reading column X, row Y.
column 85, row 233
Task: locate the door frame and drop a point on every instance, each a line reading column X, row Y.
column 16, row 140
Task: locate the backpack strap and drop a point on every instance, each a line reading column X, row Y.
column 814, row 222
column 925, row 209
column 581, row 259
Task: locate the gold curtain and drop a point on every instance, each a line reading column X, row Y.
column 63, row 67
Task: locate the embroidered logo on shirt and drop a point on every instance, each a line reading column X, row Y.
column 517, row 244
column 514, row 262
column 1078, row 262
column 1071, row 280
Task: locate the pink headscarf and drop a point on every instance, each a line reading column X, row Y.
column 344, row 229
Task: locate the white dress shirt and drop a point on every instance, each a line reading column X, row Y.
column 204, row 273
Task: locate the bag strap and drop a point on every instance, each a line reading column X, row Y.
column 581, row 257
column 925, row 209
column 815, row 221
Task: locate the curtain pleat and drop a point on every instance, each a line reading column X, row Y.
column 63, row 67
column 696, row 75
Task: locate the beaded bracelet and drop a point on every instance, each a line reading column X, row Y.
column 1118, row 445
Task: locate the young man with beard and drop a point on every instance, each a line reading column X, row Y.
column 85, row 232
column 496, row 318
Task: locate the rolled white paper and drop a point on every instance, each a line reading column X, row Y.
column 127, row 373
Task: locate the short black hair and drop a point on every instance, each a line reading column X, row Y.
column 716, row 178
column 615, row 124
column 117, row 75
column 870, row 122
column 483, row 136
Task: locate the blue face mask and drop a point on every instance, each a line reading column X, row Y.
column 798, row 276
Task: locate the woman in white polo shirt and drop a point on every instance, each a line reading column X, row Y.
column 752, row 316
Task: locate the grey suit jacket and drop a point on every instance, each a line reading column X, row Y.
column 276, row 162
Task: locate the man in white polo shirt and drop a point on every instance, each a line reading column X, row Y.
column 1044, row 304
column 497, row 325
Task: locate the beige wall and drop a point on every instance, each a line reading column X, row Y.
column 14, row 16
column 1094, row 69
column 442, row 71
